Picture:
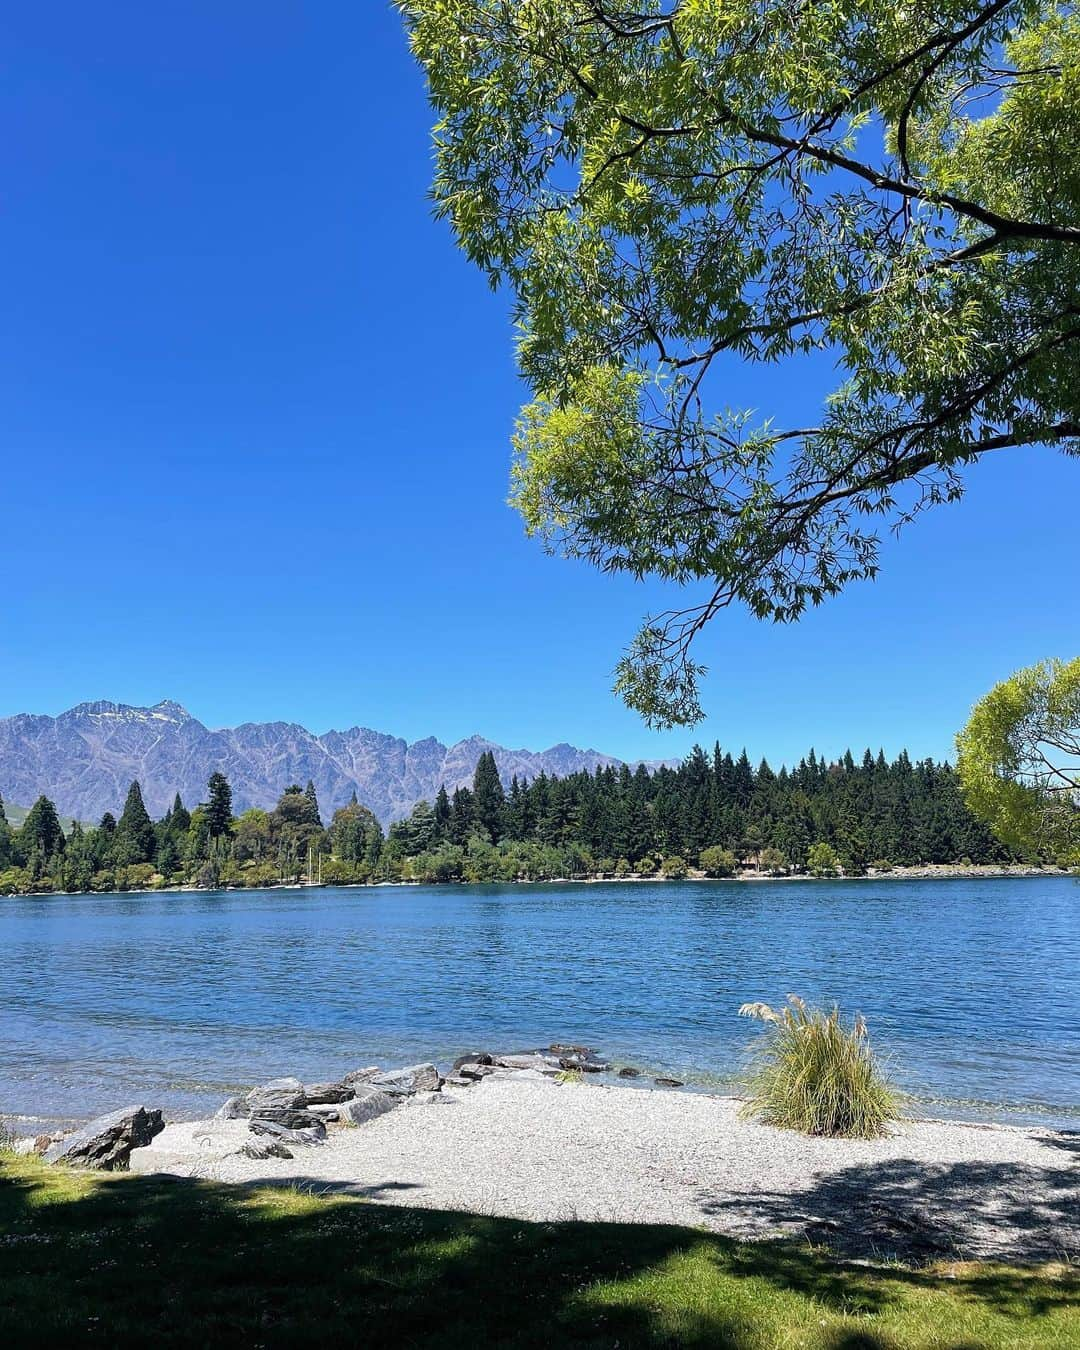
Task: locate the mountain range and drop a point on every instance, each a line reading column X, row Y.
column 86, row 758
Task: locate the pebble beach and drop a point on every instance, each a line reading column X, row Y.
column 527, row 1146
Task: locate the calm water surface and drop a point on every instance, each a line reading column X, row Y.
column 972, row 988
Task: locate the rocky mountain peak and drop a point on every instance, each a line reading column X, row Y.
column 86, row 758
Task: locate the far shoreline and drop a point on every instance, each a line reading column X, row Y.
column 926, row 872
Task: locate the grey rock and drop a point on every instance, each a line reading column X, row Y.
column 298, row 1119
column 106, row 1143
column 279, row 1093
column 310, row 1134
column 668, row 1082
column 474, row 1072
column 459, row 1080
column 477, row 1057
column 283, row 1101
column 584, row 1063
column 326, row 1111
column 236, row 1108
column 540, row 1062
column 628, row 1071
column 271, row 1148
column 558, row 1049
column 426, row 1099
column 414, row 1078
column 368, row 1103
column 328, row 1092
column 361, row 1076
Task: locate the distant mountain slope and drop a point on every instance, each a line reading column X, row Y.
column 86, row 758
column 15, row 815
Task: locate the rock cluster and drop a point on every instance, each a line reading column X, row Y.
column 287, row 1112
column 549, row 1063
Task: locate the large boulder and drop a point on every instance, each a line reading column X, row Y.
column 314, row 1133
column 404, row 1082
column 106, row 1143
column 279, row 1094
column 291, row 1119
column 368, row 1103
column 261, row 1149
column 361, row 1076
column 586, row 1063
column 542, row 1063
column 282, row 1101
column 483, row 1057
column 328, row 1094
column 473, row 1073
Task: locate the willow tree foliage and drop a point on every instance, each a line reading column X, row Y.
column 674, row 187
column 1019, row 759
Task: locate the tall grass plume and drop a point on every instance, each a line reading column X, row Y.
column 816, row 1075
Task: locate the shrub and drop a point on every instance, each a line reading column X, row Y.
column 645, row 867
column 718, row 862
column 817, row 1076
column 15, row 881
column 881, row 865
column 773, row 862
column 674, row 868
column 822, row 860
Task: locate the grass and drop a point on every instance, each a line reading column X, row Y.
column 817, row 1076
column 131, row 1261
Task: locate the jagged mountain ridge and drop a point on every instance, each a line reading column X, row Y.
column 85, row 759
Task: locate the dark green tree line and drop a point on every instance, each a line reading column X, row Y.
column 715, row 811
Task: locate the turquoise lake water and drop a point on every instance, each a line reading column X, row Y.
column 971, row 988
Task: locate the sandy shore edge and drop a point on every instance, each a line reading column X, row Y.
column 549, row 1152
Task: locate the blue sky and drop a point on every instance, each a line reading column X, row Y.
column 254, row 419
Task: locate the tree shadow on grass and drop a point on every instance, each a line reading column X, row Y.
column 320, row 1186
column 918, row 1212
column 134, row 1260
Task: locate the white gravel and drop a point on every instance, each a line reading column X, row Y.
column 544, row 1151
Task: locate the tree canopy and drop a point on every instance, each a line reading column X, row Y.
column 679, row 186
column 714, row 811
column 1019, row 759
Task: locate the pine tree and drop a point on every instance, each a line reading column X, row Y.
column 41, row 832
column 442, row 813
column 167, row 857
column 6, row 849
column 135, row 830
column 218, row 812
column 312, row 816
column 180, row 817
column 488, row 797
column 461, row 815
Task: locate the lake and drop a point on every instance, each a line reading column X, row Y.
column 971, row 988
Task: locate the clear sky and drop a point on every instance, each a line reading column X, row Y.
column 254, row 420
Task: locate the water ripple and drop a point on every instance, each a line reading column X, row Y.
column 970, row 987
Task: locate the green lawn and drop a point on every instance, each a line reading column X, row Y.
column 128, row 1260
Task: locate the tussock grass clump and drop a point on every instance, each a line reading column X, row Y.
column 815, row 1075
